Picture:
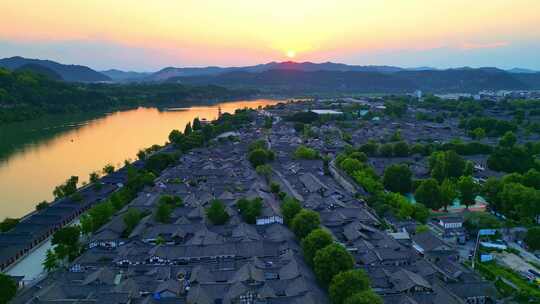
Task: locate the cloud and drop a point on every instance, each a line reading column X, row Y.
column 490, row 45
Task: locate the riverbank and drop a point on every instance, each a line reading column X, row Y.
column 54, row 152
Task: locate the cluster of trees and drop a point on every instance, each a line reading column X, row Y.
column 332, row 263
column 303, row 152
column 448, row 164
column 510, row 157
column 131, row 219
column 436, row 196
column 532, row 238
column 306, row 117
column 66, row 247
column 8, row 224
column 27, row 95
column 143, row 153
column 438, row 118
column 516, row 196
column 259, row 154
column 491, row 126
column 66, row 189
column 8, row 288
column 166, row 205
column 400, row 148
column 197, row 134
column 395, row 108
column 217, row 213
column 101, row 213
column 353, row 163
column 398, row 178
column 249, row 209
column 462, row 106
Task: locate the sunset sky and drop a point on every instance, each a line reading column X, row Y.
column 148, row 35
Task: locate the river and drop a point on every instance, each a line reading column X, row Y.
column 39, row 155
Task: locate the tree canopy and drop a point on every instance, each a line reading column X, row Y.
column 313, row 242
column 346, row 284
column 216, row 213
column 304, row 222
column 398, row 178
column 331, row 260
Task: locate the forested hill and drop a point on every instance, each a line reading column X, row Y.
column 27, row 95
column 72, row 73
column 452, row 80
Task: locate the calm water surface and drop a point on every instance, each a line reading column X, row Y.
column 35, row 157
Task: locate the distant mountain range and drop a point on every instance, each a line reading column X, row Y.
column 72, row 73
column 302, row 76
column 453, row 80
column 118, row 75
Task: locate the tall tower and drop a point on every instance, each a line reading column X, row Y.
column 219, row 112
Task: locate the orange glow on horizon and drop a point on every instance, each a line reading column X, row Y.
column 241, row 31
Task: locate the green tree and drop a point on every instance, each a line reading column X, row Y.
column 8, row 223
column 67, row 242
column 364, row 297
column 108, row 169
column 400, row 149
column 448, row 193
column 508, row 140
column 259, row 157
column 264, row 171
column 250, row 209
column 314, row 241
column 216, row 213
column 386, row 150
column 289, row 208
column 171, row 200
column 420, row 213
column 163, row 212
column 160, row 240
column 304, row 222
column 532, row 238
column 478, row 133
column 347, row 283
column 66, row 189
column 469, row 168
column 446, row 164
column 468, row 190
column 188, row 129
column 197, row 124
column 94, row 177
column 8, row 288
column 274, row 188
column 429, row 194
column 396, row 136
column 42, row 206
column 398, row 178
column 174, row 137
column 490, row 190
column 303, row 152
column 258, row 144
column 131, row 219
column 371, row 148
column 51, row 261
column 532, row 179
column 331, row 260
column 351, row 165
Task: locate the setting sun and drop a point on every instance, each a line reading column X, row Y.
column 291, row 54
